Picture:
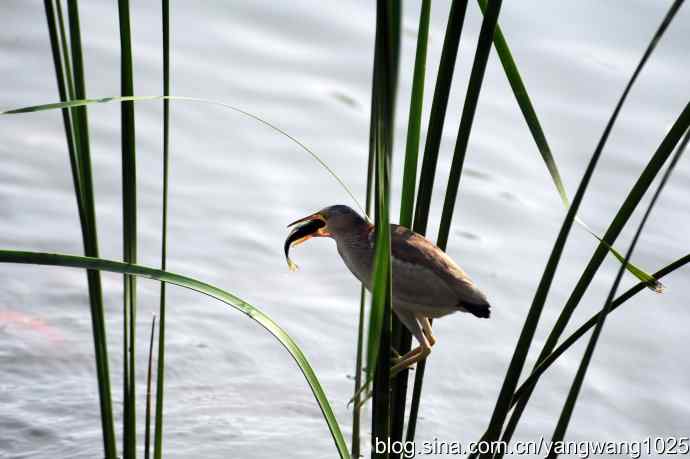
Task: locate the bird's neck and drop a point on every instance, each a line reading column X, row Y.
column 356, row 248
column 360, row 237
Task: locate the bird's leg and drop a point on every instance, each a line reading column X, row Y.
column 364, row 399
column 412, row 323
column 397, row 358
column 426, row 326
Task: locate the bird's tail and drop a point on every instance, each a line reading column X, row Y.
column 482, row 310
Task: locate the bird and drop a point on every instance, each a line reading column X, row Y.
column 427, row 283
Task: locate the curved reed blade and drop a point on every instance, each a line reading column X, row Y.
column 532, row 120
column 525, row 103
column 528, row 384
column 585, row 327
column 53, row 259
column 623, row 215
column 524, row 341
column 84, row 102
column 574, row 392
column 81, row 102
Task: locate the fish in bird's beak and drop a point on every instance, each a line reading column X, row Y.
column 304, row 229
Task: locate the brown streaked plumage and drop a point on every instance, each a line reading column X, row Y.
column 427, row 283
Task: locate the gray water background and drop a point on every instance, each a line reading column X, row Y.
column 232, row 391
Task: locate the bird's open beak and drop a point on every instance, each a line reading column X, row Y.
column 304, row 229
column 319, row 226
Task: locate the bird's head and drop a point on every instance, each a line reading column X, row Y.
column 336, row 222
column 332, row 221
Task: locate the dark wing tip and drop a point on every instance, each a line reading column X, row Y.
column 481, row 310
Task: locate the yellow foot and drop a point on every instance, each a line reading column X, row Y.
column 410, row 359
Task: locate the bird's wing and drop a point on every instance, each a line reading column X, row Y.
column 423, row 274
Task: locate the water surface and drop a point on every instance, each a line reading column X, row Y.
column 231, row 389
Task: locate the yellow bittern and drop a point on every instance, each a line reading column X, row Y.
column 427, row 283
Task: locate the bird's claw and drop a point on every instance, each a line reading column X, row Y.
column 395, row 372
column 364, row 399
column 363, row 389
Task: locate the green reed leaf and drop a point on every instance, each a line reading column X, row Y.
column 53, row 259
column 414, row 122
column 469, row 109
column 149, row 370
column 129, row 230
column 83, row 102
column 622, row 216
column 588, row 325
column 439, row 104
column 386, row 55
column 402, row 339
column 160, row 373
column 578, row 380
column 77, row 137
column 532, row 120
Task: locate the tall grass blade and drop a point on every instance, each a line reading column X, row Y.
column 592, row 267
column 449, row 53
column 356, row 399
column 525, row 104
column 384, row 85
column 357, row 406
column 439, row 105
column 474, row 87
column 76, row 133
column 147, row 422
column 67, row 65
column 129, row 229
column 588, row 325
column 83, row 102
column 469, row 109
column 402, row 339
column 66, row 118
column 573, row 393
column 160, row 373
column 546, row 363
column 52, row 259
column 379, row 342
column 79, row 116
column 629, row 205
column 414, row 122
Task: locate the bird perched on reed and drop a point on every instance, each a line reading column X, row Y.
column 427, row 283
